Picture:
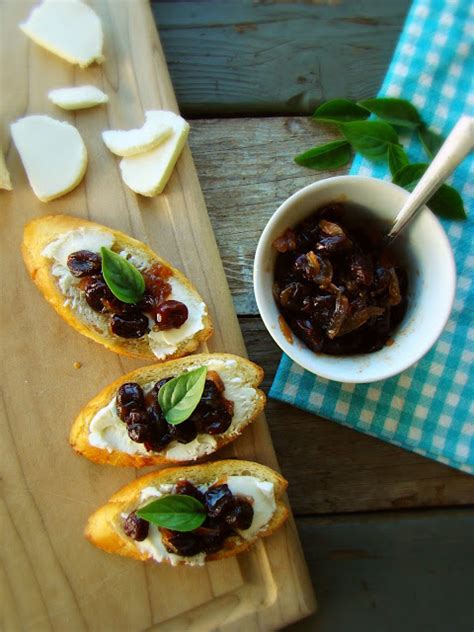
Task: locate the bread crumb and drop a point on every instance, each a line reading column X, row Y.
column 77, row 365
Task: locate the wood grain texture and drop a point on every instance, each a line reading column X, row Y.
column 264, row 57
column 54, row 579
column 246, row 170
column 332, row 469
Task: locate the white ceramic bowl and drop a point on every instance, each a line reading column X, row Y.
column 430, row 266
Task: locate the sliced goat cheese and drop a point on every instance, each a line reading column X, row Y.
column 53, row 154
column 5, row 180
column 67, row 28
column 149, row 172
column 78, row 97
column 137, row 141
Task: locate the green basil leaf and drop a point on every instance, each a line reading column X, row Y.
column 397, row 158
column 340, row 111
column 122, row 278
column 409, row 175
column 179, row 397
column 370, row 138
column 328, row 156
column 430, row 140
column 177, row 512
column 446, row 202
column 394, row 111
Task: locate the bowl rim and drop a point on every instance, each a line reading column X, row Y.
column 291, row 349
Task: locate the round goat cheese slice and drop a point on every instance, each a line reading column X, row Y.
column 67, row 28
column 53, row 154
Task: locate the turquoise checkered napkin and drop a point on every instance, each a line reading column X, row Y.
column 430, row 407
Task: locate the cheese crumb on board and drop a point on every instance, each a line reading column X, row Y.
column 5, row 180
column 67, row 28
column 53, row 154
column 149, row 172
column 77, row 97
column 136, row 141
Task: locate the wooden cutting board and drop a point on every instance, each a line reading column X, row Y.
column 53, row 578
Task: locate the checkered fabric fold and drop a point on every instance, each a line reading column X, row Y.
column 429, row 408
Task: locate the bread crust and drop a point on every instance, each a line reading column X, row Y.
column 40, row 232
column 104, row 527
column 79, row 438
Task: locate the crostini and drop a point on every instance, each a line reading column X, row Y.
column 191, row 515
column 125, row 424
column 137, row 305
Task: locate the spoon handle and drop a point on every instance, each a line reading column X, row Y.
column 452, row 152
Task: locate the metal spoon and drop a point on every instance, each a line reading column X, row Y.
column 453, row 151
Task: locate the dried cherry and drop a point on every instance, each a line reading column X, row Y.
column 129, row 325
column 186, row 544
column 129, row 396
column 96, row 292
column 171, row 314
column 135, row 527
column 84, row 263
column 188, row 489
column 218, row 499
column 241, row 514
column 138, row 432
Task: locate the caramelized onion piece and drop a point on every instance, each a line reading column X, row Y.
column 358, row 319
column 286, row 242
column 331, row 228
column 314, row 268
column 293, row 295
column 341, row 311
column 394, row 296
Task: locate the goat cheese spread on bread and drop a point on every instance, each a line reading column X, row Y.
column 109, row 432
column 161, row 343
column 261, row 493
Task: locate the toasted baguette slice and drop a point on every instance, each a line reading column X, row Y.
column 249, row 405
column 105, row 526
column 41, row 232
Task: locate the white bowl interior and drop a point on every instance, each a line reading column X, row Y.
column 430, row 266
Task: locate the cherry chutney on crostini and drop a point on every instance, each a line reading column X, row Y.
column 340, row 290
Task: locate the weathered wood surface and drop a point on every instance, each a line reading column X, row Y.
column 246, row 170
column 53, row 578
column 410, row 572
column 264, row 57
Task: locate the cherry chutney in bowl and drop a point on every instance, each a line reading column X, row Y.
column 422, row 254
column 338, row 288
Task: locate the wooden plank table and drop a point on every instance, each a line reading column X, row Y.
column 381, row 527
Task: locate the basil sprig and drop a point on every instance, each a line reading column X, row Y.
column 378, row 140
column 371, row 138
column 430, row 140
column 340, row 111
column 122, row 278
column 328, row 156
column 397, row 158
column 177, row 512
column 179, row 397
column 395, row 111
